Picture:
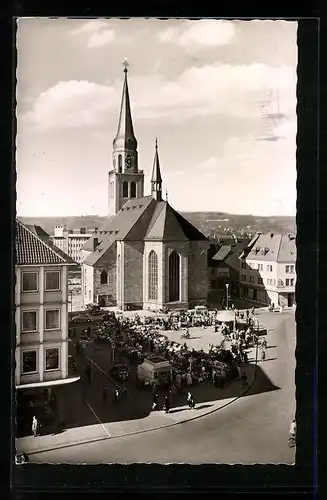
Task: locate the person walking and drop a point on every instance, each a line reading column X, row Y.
column 244, row 380
column 167, row 404
column 104, row 396
column 116, row 395
column 263, row 354
column 35, row 426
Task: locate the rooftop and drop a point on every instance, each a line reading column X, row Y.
column 33, row 247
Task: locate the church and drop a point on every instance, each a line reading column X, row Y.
column 146, row 256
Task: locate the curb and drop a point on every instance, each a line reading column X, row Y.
column 151, row 429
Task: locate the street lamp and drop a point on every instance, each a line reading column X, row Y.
column 227, row 286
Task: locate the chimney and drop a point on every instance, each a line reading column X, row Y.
column 95, row 243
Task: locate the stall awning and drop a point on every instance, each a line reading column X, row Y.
column 48, row 383
column 226, row 316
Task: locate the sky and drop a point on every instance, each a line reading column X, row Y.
column 203, row 87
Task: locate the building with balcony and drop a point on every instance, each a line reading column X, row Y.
column 41, row 314
column 71, row 241
column 268, row 270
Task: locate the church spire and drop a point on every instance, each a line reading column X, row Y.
column 125, row 138
column 156, row 180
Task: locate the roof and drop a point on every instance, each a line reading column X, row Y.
column 273, row 248
column 34, row 247
column 141, row 219
column 222, row 253
column 118, row 227
column 169, row 225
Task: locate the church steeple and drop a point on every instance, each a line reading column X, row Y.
column 125, row 138
column 126, row 181
column 156, row 180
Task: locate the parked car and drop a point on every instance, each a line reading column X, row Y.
column 120, row 372
column 93, row 309
column 81, row 318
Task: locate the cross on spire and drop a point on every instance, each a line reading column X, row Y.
column 125, row 64
column 156, row 142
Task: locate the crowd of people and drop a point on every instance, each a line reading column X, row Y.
column 135, row 339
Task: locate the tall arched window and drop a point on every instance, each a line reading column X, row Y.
column 120, row 164
column 174, row 277
column 125, row 189
column 153, row 276
column 133, row 189
column 104, row 277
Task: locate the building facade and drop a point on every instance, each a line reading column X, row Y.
column 41, row 313
column 268, row 270
column 70, row 242
column 146, row 255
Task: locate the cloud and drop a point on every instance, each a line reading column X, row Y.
column 95, row 33
column 101, row 39
column 195, row 34
column 217, row 89
column 89, row 27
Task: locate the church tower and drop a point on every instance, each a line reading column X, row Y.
column 156, row 180
column 126, row 181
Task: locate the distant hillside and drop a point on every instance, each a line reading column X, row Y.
column 213, row 224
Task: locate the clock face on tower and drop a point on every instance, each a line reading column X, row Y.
column 128, row 161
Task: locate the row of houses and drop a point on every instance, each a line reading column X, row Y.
column 261, row 270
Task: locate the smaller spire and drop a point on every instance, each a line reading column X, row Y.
column 156, row 180
column 125, row 64
column 166, row 194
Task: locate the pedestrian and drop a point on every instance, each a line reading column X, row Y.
column 263, row 355
column 88, row 373
column 104, row 396
column 116, row 395
column 244, row 379
column 167, row 405
column 252, row 311
column 35, row 426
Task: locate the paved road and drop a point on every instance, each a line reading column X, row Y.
column 252, row 430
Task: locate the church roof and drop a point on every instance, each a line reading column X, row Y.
column 33, row 247
column 141, row 219
column 169, row 225
column 117, row 227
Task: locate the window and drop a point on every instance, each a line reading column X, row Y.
column 251, row 279
column 52, row 319
column 29, row 362
column 120, row 164
column 29, row 321
column 260, row 281
column 289, row 282
column 30, row 282
column 289, row 269
column 292, row 281
column 174, row 276
column 85, row 290
column 243, row 265
column 52, row 358
column 133, row 190
column 125, row 189
column 52, row 280
column 269, row 268
column 104, row 277
column 153, row 276
column 243, row 277
column 260, row 267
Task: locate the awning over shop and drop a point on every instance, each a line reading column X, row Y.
column 49, row 383
column 226, row 316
